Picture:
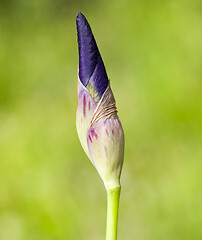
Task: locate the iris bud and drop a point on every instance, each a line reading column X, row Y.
column 98, row 125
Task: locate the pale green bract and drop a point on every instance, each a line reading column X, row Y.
column 101, row 134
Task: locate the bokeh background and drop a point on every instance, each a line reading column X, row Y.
column 152, row 50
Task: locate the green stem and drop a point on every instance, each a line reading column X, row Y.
column 112, row 212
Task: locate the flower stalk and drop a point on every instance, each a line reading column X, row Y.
column 113, row 196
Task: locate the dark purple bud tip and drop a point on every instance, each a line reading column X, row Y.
column 91, row 67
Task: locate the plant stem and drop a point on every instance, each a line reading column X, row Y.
column 112, row 212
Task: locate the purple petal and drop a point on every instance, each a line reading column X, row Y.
column 91, row 66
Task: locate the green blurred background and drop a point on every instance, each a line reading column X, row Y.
column 152, row 50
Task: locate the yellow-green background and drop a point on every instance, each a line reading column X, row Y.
column 153, row 54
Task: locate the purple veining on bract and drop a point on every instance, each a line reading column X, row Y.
column 90, row 138
column 93, row 133
column 84, row 105
column 107, row 132
column 91, row 66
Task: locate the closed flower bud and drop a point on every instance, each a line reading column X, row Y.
column 98, row 126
